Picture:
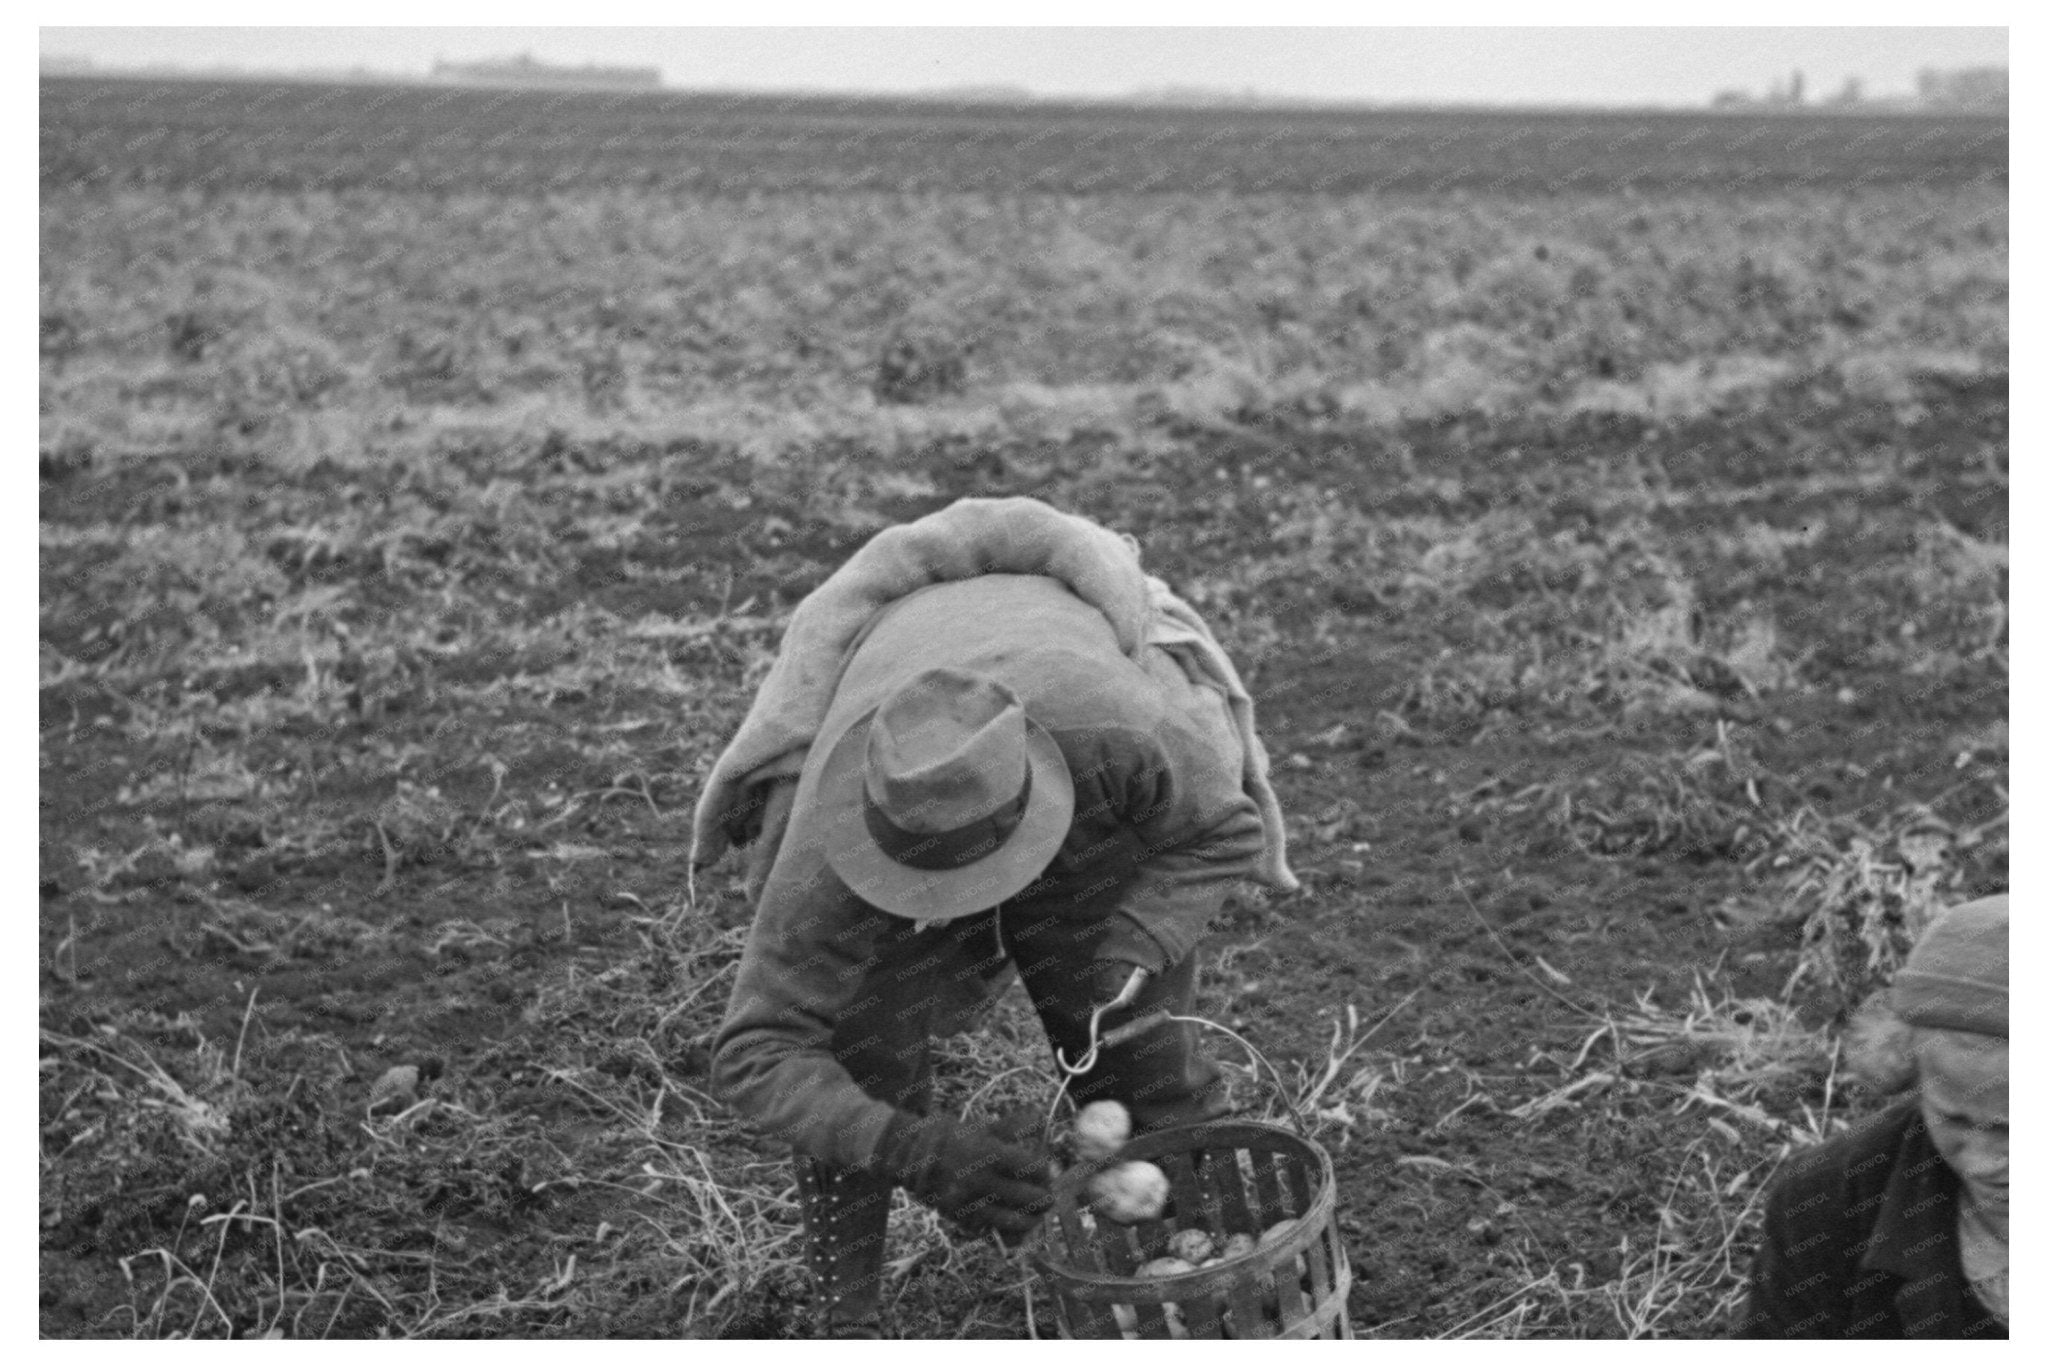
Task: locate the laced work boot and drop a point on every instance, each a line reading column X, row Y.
column 846, row 1223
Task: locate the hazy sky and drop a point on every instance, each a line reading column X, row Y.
column 1683, row 66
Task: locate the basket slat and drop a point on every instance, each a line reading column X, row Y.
column 1199, row 1206
column 1319, row 1268
column 1285, row 1205
column 1294, row 1306
column 1282, row 1286
column 1237, row 1211
column 1315, row 1265
column 1225, row 1210
column 1081, row 1319
column 1203, row 1316
column 1272, row 1202
column 1301, row 1183
column 1247, row 1314
column 1191, row 1202
column 1150, row 1237
column 1120, row 1251
column 1079, row 1247
column 1329, row 1276
column 1151, row 1320
column 1323, row 1320
column 1186, row 1202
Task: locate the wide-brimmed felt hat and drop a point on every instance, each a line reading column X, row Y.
column 945, row 798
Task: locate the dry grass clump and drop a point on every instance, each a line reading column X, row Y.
column 1865, row 892
column 1580, row 626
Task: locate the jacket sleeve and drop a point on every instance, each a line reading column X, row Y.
column 1198, row 832
column 1798, row 1276
column 804, row 963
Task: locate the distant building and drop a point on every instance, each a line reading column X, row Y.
column 1977, row 87
column 523, row 70
column 1790, row 93
column 1974, row 90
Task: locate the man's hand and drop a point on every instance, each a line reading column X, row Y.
column 985, row 1179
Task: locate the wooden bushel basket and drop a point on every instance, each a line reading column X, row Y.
column 1228, row 1176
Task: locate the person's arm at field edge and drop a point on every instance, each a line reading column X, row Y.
column 1797, row 1285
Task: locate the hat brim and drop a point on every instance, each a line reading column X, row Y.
column 918, row 894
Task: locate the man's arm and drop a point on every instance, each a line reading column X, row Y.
column 1198, row 832
column 807, row 971
column 806, row 958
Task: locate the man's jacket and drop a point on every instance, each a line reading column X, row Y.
column 1859, row 1241
column 1162, row 832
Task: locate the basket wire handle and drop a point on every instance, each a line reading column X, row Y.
column 1293, row 1109
column 1259, row 1059
column 1097, row 1041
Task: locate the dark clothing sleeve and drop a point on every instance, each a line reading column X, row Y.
column 1197, row 833
column 804, row 964
column 1798, row 1284
column 823, row 1037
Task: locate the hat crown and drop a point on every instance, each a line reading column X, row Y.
column 953, row 752
column 1956, row 976
column 945, row 750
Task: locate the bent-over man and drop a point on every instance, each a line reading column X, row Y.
column 997, row 786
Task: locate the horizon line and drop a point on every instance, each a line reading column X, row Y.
column 78, row 66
